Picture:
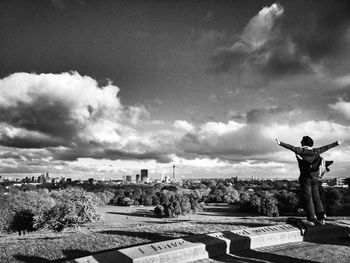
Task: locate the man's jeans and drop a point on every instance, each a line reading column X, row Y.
column 311, row 197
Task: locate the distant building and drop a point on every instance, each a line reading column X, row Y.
column 144, row 175
column 137, row 178
column 128, row 178
column 338, row 182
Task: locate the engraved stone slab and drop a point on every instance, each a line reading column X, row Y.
column 176, row 250
column 270, row 235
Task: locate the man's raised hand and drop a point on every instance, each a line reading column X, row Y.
column 278, row 142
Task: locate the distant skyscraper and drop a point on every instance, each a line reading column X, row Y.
column 137, row 178
column 144, row 175
column 173, row 172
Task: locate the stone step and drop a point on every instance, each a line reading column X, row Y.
column 201, row 247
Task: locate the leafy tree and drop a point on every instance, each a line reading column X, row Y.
column 333, row 201
column 146, row 199
column 118, row 196
column 231, row 196
column 16, row 206
column 159, row 211
column 268, row 204
column 74, row 207
column 250, row 203
column 23, row 221
column 287, row 202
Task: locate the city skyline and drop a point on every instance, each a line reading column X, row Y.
column 113, row 87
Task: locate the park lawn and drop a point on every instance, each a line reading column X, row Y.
column 41, row 247
column 128, row 229
column 122, row 227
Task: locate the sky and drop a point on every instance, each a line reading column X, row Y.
column 106, row 88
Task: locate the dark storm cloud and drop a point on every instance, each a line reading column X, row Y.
column 98, row 152
column 120, row 155
column 280, row 114
column 42, row 114
column 29, row 142
column 287, row 39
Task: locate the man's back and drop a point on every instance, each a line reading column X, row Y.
column 308, row 157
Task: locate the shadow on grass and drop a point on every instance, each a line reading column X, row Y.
column 97, row 256
column 252, row 256
column 163, row 222
column 154, row 237
column 30, row 259
column 74, row 253
column 137, row 214
column 224, row 212
column 236, row 223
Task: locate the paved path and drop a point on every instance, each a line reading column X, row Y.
column 336, row 250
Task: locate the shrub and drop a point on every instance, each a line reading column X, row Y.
column 287, row 202
column 176, row 204
column 146, row 199
column 23, row 220
column 16, row 206
column 155, row 200
column 254, row 204
column 159, row 211
column 232, row 196
column 333, row 201
column 74, row 207
column 250, row 203
column 106, row 197
column 6, row 212
column 118, row 196
column 268, row 205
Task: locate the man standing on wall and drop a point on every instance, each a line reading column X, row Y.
column 308, row 179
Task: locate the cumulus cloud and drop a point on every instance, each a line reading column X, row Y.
column 58, row 119
column 262, row 46
column 342, row 107
column 255, row 140
column 278, row 41
column 342, row 81
column 183, row 126
column 277, row 114
column 72, row 116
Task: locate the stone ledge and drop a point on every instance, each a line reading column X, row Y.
column 328, row 231
column 199, row 247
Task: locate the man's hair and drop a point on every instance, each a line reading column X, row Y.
column 307, row 141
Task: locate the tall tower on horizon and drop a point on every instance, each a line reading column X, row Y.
column 174, row 172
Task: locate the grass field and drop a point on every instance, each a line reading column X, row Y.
column 122, row 227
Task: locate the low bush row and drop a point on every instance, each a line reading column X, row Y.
column 33, row 210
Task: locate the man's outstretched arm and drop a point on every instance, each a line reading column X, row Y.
column 322, row 149
column 289, row 147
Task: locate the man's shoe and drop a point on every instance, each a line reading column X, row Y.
column 321, row 222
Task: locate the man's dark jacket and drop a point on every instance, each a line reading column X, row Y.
column 308, row 158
